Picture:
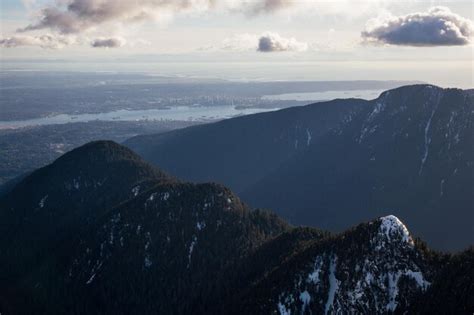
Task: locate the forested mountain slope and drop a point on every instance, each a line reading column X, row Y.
column 334, row 164
column 117, row 236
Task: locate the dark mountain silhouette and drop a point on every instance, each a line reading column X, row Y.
column 452, row 289
column 142, row 242
column 101, row 208
column 374, row 268
column 241, row 151
column 56, row 202
column 333, row 164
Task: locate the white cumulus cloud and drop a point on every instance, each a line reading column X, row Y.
column 436, row 27
column 273, row 42
column 265, row 42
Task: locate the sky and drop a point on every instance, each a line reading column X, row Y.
column 425, row 40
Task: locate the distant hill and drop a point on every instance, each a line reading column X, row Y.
column 28, row 148
column 101, row 231
column 337, row 163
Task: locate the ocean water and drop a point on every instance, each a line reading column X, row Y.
column 179, row 113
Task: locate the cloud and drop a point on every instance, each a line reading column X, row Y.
column 75, row 16
column 339, row 8
column 240, row 42
column 437, row 27
column 267, row 6
column 137, row 42
column 266, row 42
column 43, row 41
column 273, row 42
column 108, row 42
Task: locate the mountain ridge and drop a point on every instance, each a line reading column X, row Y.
column 321, row 258
column 48, row 255
column 407, row 149
column 177, row 247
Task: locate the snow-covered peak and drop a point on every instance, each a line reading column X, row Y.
column 392, row 228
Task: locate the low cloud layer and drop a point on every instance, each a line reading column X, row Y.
column 437, row 27
column 273, row 42
column 108, row 42
column 43, row 41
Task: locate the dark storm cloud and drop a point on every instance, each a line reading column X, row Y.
column 437, row 27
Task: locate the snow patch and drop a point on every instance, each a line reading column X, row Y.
column 379, row 106
column 369, row 277
column 392, row 291
column 91, row 279
column 191, row 249
column 200, row 225
column 393, row 279
column 282, row 309
column 152, row 197
column 111, row 237
column 148, row 240
column 305, row 298
column 308, row 137
column 391, row 226
column 427, row 139
column 148, row 262
column 136, row 190
column 76, row 184
column 313, row 277
column 333, row 285
column 165, row 196
column 42, row 201
column 418, row 277
column 457, row 138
